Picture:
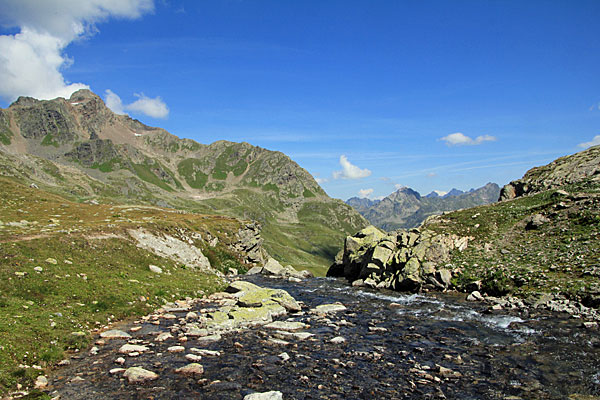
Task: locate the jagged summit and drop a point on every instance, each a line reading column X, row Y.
column 406, row 208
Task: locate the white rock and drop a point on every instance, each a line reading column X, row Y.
column 176, row 349
column 116, row 371
column 337, row 340
column 193, row 369
column 163, row 336
column 139, row 374
column 193, row 357
column 273, row 395
column 120, row 361
column 132, row 348
column 155, row 269
column 41, row 382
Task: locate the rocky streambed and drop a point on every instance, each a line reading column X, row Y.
column 336, row 342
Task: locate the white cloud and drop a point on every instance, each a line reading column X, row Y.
column 350, row 171
column 320, row 181
column 399, row 186
column 113, row 101
column 431, row 175
column 365, row 192
column 459, row 139
column 153, row 107
column 594, row 142
column 31, row 60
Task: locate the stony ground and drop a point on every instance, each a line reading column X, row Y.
column 372, row 346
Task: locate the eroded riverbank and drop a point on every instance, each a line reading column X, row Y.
column 383, row 345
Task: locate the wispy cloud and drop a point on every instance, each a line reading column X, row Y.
column 365, row 192
column 350, row 171
column 31, row 61
column 459, row 139
column 152, row 107
column 594, row 142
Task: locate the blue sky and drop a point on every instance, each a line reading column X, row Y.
column 359, row 93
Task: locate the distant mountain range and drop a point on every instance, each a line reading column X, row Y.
column 406, row 208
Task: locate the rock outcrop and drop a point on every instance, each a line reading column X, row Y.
column 400, row 260
column 563, row 171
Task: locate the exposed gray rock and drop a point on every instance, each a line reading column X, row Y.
column 400, row 260
column 170, row 247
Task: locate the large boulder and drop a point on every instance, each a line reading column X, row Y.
column 400, row 260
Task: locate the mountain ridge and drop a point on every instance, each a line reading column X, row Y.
column 79, row 147
column 406, row 208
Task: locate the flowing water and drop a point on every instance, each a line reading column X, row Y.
column 396, row 346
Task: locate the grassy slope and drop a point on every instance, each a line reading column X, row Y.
column 510, row 259
column 94, row 282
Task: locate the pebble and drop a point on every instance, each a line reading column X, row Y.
column 278, row 342
column 176, row 349
column 337, row 340
column 284, row 356
column 286, row 325
column 116, row 371
column 41, row 382
column 475, row 296
column 203, row 352
column 155, row 269
column 139, row 374
column 193, row 369
column 273, row 395
column 193, row 357
column 163, row 336
column 132, row 348
column 115, row 334
column 328, row 308
column 120, row 361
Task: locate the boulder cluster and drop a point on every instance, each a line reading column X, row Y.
column 401, row 260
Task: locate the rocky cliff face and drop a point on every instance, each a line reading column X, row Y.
column 407, row 209
column 563, row 171
column 78, row 147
